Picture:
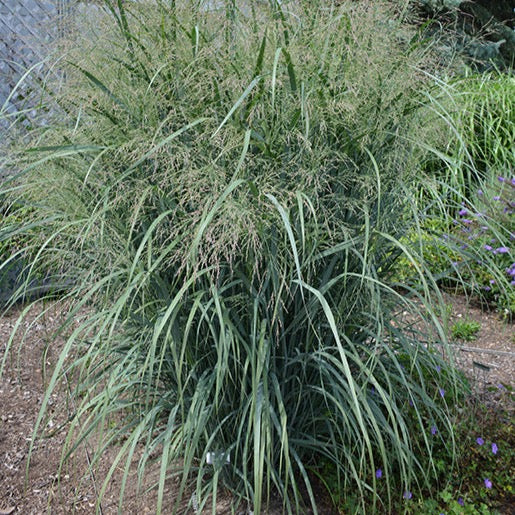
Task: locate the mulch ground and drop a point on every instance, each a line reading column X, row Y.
column 488, row 360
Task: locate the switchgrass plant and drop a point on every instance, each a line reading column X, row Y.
column 223, row 193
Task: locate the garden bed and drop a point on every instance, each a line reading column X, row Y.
column 491, row 370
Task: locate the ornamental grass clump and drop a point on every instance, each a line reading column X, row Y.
column 223, row 193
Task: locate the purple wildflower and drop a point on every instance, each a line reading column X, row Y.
column 438, row 368
column 487, row 247
column 442, row 392
column 502, row 250
column 409, row 495
column 461, row 502
column 492, row 281
column 379, row 473
column 488, row 483
column 434, row 430
column 480, row 193
column 466, row 221
column 494, row 448
column 513, row 181
column 480, row 441
column 501, row 179
column 462, row 212
column 497, row 197
column 512, row 282
column 487, row 288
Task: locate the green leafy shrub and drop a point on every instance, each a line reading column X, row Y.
column 465, row 329
column 226, row 193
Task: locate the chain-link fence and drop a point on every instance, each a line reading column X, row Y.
column 28, row 29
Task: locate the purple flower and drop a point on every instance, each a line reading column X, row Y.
column 512, row 282
column 488, row 483
column 442, row 392
column 379, row 473
column 466, row 221
column 480, row 441
column 501, row 250
column 501, row 179
column 438, row 368
column 461, row 502
column 513, row 181
column 494, row 448
column 492, row 281
column 462, row 212
column 434, row 430
column 497, row 197
column 409, row 495
column 480, row 193
column 487, row 288
column 487, row 247
column 410, row 402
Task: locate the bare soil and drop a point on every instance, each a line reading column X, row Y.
column 488, row 360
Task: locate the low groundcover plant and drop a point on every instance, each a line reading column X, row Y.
column 225, row 192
